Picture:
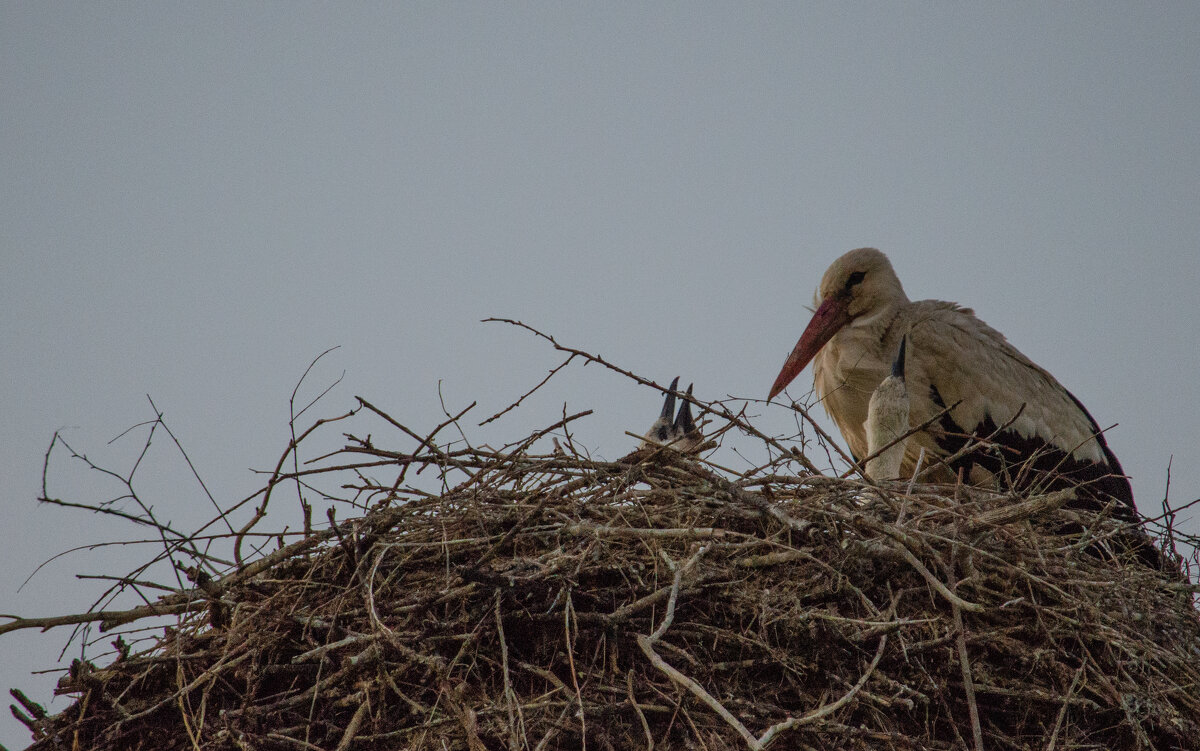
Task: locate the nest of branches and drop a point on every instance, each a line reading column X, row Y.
column 545, row 600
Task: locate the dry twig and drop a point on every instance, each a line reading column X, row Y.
column 530, row 598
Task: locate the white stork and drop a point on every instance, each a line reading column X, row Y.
column 1033, row 432
column 677, row 431
column 887, row 422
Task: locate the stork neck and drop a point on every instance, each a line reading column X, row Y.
column 881, row 319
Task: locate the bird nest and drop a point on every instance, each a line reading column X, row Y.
column 547, row 600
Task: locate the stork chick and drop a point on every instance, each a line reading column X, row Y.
column 678, row 431
column 887, row 420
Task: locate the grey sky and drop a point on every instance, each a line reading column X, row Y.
column 199, row 199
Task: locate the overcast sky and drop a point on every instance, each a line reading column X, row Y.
column 196, row 200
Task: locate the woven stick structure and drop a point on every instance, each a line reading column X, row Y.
column 540, row 599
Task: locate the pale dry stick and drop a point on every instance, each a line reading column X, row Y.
column 421, row 441
column 1027, row 465
column 300, row 742
column 696, row 533
column 546, row 675
column 767, row 560
column 724, row 412
column 355, row 723
column 905, row 543
column 646, row 644
column 638, row 710
column 824, row 710
column 333, row 646
column 937, row 584
column 1062, row 711
column 697, row 690
column 147, row 520
column 528, row 393
column 305, row 507
column 886, row 626
column 553, row 729
column 790, row 554
column 192, row 467
column 509, row 458
column 127, row 480
column 916, row 471
column 226, row 662
column 83, row 707
column 520, row 525
column 626, row 611
column 669, row 617
column 129, row 579
column 1170, row 511
column 473, row 461
column 567, row 610
column 968, row 684
column 183, row 714
column 280, row 737
column 110, row 617
column 908, row 492
column 1020, row 511
column 525, row 443
column 373, row 614
column 275, row 478
column 971, row 446
column 467, row 717
column 510, row 696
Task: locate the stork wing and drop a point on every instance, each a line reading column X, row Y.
column 1040, row 435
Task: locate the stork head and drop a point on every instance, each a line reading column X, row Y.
column 860, row 284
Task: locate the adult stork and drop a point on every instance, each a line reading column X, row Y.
column 1030, row 431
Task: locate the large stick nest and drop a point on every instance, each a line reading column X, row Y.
column 550, row 601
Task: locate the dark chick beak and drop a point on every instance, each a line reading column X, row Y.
column 668, row 410
column 684, row 424
column 660, row 431
column 898, row 363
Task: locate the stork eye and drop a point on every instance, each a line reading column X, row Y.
column 855, row 278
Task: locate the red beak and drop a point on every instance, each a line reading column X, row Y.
column 827, row 321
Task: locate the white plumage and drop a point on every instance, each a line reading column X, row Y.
column 887, row 422
column 1037, row 434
